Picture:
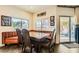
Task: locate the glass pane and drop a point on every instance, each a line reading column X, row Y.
column 73, row 22
column 38, row 24
column 16, row 23
column 25, row 24
column 64, row 29
column 45, row 23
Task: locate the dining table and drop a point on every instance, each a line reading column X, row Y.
column 41, row 37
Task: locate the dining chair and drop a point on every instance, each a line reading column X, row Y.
column 19, row 35
column 51, row 44
column 20, row 39
column 27, row 43
column 53, row 40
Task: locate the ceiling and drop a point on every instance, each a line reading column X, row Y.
column 33, row 8
column 37, row 8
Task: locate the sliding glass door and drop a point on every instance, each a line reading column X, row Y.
column 64, row 29
column 67, row 29
column 73, row 23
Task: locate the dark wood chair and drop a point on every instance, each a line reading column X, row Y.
column 50, row 45
column 27, row 42
column 20, row 39
column 19, row 35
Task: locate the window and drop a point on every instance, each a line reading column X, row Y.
column 38, row 24
column 25, row 24
column 42, row 23
column 16, row 23
column 45, row 23
column 20, row 23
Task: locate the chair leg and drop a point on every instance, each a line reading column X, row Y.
column 5, row 45
column 31, row 49
column 53, row 49
column 49, row 49
column 22, row 49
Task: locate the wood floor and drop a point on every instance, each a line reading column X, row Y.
column 63, row 49
column 58, row 49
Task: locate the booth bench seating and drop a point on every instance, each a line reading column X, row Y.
column 9, row 38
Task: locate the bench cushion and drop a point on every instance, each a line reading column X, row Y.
column 10, row 40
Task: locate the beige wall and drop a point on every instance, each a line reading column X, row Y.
column 14, row 12
column 51, row 11
column 65, row 11
column 77, row 14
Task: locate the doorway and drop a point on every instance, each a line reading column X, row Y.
column 67, row 29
